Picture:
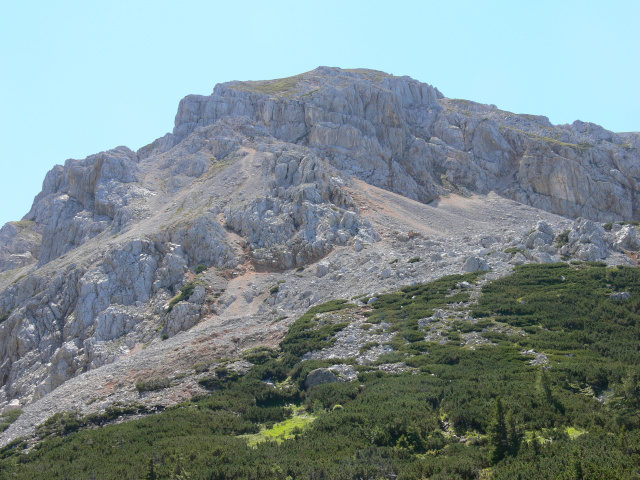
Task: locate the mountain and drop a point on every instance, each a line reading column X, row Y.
column 271, row 197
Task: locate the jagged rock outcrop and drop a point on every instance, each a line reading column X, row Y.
column 304, row 214
column 475, row 264
column 19, row 245
column 587, row 241
column 262, row 175
column 627, row 239
column 83, row 198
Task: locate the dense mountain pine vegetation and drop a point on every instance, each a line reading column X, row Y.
column 458, row 413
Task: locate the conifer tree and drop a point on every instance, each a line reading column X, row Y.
column 512, row 434
column 498, row 435
column 151, row 474
column 543, row 386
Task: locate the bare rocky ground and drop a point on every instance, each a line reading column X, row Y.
column 443, row 235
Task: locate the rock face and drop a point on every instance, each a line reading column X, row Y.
column 403, row 135
column 19, row 245
column 123, row 248
column 83, row 198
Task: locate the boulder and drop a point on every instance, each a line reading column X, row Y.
column 475, row 264
column 587, row 241
column 320, row 376
column 627, row 238
column 345, row 372
column 541, row 236
column 322, row 269
column 620, row 296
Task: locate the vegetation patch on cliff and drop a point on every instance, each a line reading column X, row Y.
column 271, row 87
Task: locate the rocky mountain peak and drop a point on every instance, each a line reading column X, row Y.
column 272, row 196
column 405, row 136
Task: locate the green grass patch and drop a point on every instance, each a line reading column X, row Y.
column 271, row 87
column 281, row 431
column 574, row 432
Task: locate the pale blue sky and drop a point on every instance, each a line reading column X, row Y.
column 80, row 77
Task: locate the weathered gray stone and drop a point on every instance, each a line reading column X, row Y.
column 322, row 268
column 627, row 238
column 345, row 372
column 12, row 406
column 386, row 273
column 19, row 245
column 320, row 376
column 620, row 295
column 475, row 264
column 587, row 241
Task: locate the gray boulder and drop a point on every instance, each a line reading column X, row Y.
column 475, row 264
column 587, row 241
column 322, row 269
column 541, row 236
column 620, row 296
column 627, row 238
column 320, row 376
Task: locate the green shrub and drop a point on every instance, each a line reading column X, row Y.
column 306, row 334
column 185, row 294
column 153, row 385
column 59, row 424
column 220, row 378
column 454, row 336
column 259, row 355
column 413, row 335
column 368, row 346
column 562, row 239
column 6, row 419
column 5, row 315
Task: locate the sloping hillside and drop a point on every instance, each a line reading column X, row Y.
column 269, row 198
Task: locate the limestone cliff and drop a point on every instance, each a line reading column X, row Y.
column 403, row 135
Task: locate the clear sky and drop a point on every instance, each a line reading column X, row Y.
column 80, row 77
